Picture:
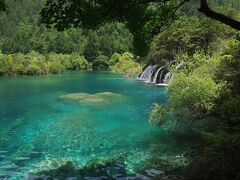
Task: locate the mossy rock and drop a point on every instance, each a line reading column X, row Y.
column 91, row 98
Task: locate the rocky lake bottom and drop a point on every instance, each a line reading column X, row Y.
column 86, row 125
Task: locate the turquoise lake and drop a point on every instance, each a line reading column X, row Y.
column 36, row 127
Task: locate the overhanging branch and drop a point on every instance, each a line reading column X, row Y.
column 157, row 29
column 204, row 8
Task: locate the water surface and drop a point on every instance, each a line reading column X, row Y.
column 35, row 126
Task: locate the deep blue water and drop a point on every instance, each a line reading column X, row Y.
column 36, row 127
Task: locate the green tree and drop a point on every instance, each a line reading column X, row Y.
column 137, row 15
column 126, row 63
column 20, row 31
column 101, row 63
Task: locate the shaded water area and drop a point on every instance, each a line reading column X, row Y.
column 43, row 132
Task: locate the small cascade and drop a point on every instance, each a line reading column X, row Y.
column 167, row 78
column 146, row 73
column 161, row 76
column 155, row 74
column 149, row 80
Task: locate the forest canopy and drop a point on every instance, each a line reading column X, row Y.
column 151, row 16
column 22, row 33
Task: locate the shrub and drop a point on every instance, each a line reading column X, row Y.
column 114, row 59
column 34, row 63
column 101, row 63
column 158, row 115
column 78, row 63
column 127, row 64
column 193, row 97
column 56, row 67
column 19, row 69
column 33, row 69
column 4, row 66
column 229, row 68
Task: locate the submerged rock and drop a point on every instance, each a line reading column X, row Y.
column 8, row 174
column 9, row 166
column 2, row 156
column 22, row 158
column 154, row 172
column 3, row 152
column 71, row 178
column 34, row 177
column 50, row 164
column 96, row 178
column 142, row 177
column 90, row 98
column 117, row 175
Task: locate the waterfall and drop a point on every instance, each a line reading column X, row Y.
column 146, row 73
column 167, row 78
column 150, row 77
column 155, row 74
column 161, row 76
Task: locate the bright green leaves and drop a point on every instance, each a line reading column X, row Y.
column 126, row 63
column 158, row 115
column 36, row 64
column 159, row 17
column 193, row 97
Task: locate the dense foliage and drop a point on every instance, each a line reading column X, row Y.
column 36, row 64
column 21, row 32
column 101, row 63
column 125, row 63
column 186, row 36
column 204, row 91
column 143, row 18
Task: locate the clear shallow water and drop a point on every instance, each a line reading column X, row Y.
column 35, row 126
